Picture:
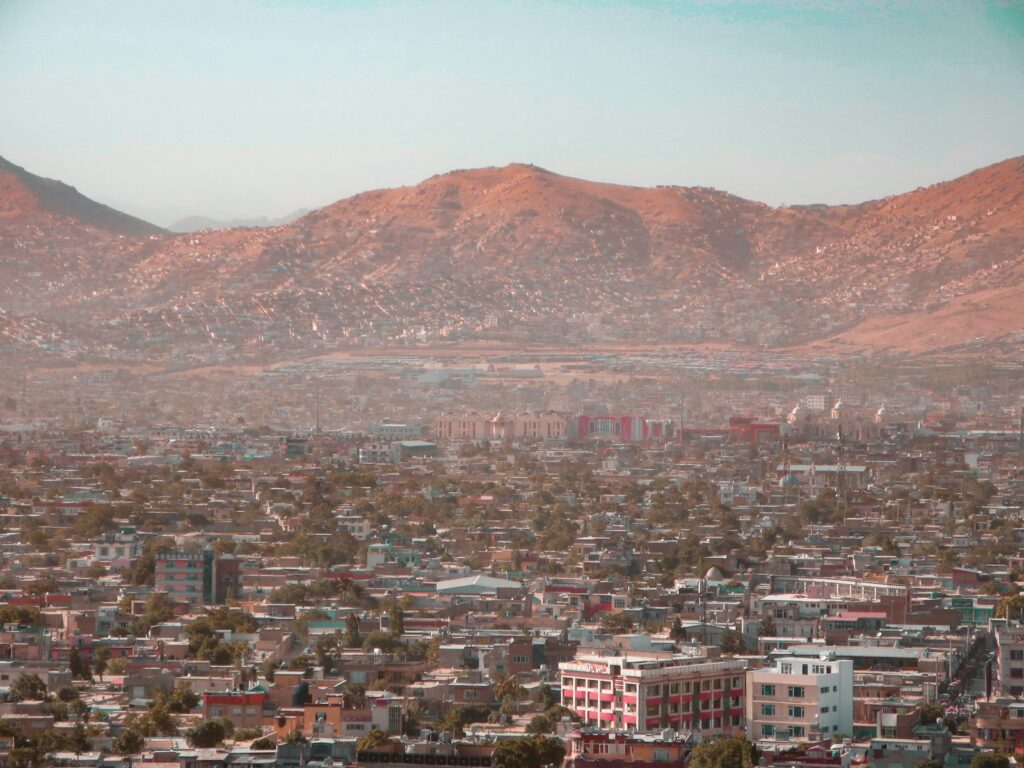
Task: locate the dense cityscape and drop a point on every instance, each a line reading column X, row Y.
column 534, row 384
column 637, row 560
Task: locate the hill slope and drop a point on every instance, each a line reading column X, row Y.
column 26, row 198
column 521, row 253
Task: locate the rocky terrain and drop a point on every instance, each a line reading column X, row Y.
column 518, row 254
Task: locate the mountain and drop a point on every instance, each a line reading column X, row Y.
column 27, row 199
column 199, row 223
column 519, row 253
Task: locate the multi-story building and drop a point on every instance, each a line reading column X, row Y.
column 653, row 692
column 243, row 708
column 591, row 748
column 184, row 575
column 1010, row 661
column 197, row 576
column 999, row 725
column 630, row 429
column 800, row 699
column 548, row 425
column 118, row 548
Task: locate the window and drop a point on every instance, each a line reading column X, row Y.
column 767, row 690
column 797, row 730
column 825, row 689
column 796, row 711
column 705, row 685
column 787, row 669
column 768, row 710
column 767, row 730
column 795, row 692
column 1017, row 655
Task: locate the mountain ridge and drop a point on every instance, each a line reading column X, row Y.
column 518, row 252
column 57, row 198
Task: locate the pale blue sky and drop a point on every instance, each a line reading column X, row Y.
column 226, row 108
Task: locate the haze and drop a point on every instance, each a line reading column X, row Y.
column 243, row 109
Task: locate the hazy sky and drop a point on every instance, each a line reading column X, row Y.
column 168, row 107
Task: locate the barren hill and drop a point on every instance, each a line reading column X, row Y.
column 522, row 253
column 27, row 199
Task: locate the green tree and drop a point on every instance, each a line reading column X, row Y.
column 457, row 718
column 128, row 742
column 616, row 623
column 372, row 740
column 536, row 751
column 158, row 721
column 102, row 657
column 350, row 638
column 733, row 752
column 508, row 687
column 766, row 626
column 181, row 700
column 931, row 712
column 24, row 616
column 990, row 760
column 268, row 669
column 79, row 666
column 396, row 619
column 158, row 610
column 678, row 632
column 732, row 642
column 207, row 734
column 28, row 688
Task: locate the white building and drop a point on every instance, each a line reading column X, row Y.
column 800, row 699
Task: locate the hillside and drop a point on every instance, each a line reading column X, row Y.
column 27, row 199
column 520, row 253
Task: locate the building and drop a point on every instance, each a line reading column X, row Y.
column 397, row 431
column 1009, row 661
column 655, row 692
column 627, row 429
column 801, row 699
column 590, row 748
column 243, row 708
column 999, row 725
column 548, row 425
column 197, row 576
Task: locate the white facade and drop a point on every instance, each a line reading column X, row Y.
column 800, row 699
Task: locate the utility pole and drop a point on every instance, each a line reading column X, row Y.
column 841, row 472
column 317, row 409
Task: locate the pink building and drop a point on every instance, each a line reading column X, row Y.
column 655, row 692
column 522, row 426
